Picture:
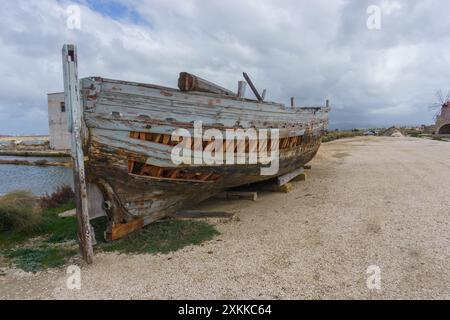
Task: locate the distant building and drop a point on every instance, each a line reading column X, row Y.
column 59, row 135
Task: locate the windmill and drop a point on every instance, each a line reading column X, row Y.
column 442, row 116
column 441, row 104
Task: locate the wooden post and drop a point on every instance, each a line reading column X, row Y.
column 74, row 120
column 327, row 104
column 242, row 85
column 292, row 102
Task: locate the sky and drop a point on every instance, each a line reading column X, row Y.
column 378, row 62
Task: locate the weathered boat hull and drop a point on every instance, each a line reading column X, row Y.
column 128, row 141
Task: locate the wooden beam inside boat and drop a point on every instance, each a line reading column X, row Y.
column 74, row 116
column 190, row 82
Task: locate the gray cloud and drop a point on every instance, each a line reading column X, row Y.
column 309, row 49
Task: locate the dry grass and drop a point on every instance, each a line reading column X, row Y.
column 63, row 194
column 335, row 135
column 19, row 212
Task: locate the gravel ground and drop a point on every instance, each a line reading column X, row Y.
column 367, row 201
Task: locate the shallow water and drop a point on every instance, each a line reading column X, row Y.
column 39, row 180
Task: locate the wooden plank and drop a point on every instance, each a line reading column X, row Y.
column 233, row 195
column 282, row 180
column 205, row 176
column 130, row 166
column 39, row 163
column 173, row 174
column 237, row 195
column 300, row 177
column 121, row 230
column 74, row 120
column 166, row 139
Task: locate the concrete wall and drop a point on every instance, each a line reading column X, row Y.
column 59, row 136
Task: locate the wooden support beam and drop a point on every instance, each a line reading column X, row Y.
column 121, row 230
column 202, row 214
column 242, row 85
column 285, row 188
column 282, row 180
column 253, row 196
column 238, row 195
column 74, row 121
column 252, row 86
column 300, row 177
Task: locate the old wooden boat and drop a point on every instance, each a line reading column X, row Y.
column 126, row 137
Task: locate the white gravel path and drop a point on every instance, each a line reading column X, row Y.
column 367, row 201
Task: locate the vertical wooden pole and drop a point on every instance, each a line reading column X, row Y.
column 74, row 121
column 292, row 102
column 241, row 89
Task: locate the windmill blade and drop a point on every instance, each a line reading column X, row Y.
column 440, row 96
column 437, row 115
column 434, row 106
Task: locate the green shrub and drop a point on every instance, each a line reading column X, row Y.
column 19, row 212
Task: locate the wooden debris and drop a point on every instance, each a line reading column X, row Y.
column 307, row 167
column 68, row 213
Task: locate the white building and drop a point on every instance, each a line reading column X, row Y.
column 59, row 136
